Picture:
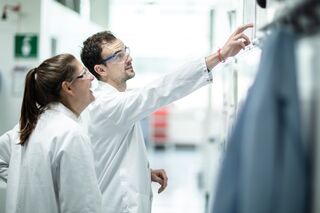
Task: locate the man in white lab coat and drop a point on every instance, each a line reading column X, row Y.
column 123, row 170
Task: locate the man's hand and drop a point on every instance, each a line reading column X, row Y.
column 159, row 176
column 237, row 41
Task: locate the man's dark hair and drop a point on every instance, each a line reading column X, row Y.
column 92, row 48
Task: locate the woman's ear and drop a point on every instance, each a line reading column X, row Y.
column 66, row 88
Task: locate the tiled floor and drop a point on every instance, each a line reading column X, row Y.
column 182, row 194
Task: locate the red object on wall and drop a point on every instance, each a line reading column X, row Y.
column 159, row 126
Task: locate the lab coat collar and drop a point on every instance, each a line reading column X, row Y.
column 105, row 86
column 64, row 110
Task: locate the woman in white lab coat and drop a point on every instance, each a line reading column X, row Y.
column 47, row 159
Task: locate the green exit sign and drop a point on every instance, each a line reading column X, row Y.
column 26, row 46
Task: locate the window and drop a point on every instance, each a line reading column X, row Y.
column 54, row 46
column 72, row 4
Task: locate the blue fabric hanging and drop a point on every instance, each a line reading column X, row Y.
column 265, row 169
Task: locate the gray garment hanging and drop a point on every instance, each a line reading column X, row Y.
column 265, row 169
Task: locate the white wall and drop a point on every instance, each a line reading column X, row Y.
column 48, row 19
column 27, row 22
column 68, row 27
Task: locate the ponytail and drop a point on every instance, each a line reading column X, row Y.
column 30, row 110
column 42, row 87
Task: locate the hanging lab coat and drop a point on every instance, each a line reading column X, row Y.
column 120, row 154
column 54, row 171
column 266, row 167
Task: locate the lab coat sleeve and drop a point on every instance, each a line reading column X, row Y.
column 77, row 181
column 4, row 156
column 126, row 108
column 6, row 140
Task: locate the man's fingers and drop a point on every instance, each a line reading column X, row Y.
column 163, row 183
column 163, row 186
column 157, row 179
column 243, row 36
column 161, row 189
column 241, row 43
column 242, row 28
column 160, row 177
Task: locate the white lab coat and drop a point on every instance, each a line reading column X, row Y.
column 5, row 150
column 122, row 166
column 54, row 171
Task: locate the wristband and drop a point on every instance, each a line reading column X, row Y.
column 221, row 59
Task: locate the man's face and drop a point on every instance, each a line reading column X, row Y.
column 117, row 61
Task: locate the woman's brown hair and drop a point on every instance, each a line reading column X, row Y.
column 42, row 86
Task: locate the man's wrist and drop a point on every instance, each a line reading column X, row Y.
column 220, row 56
column 212, row 61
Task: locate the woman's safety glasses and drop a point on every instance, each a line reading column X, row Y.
column 85, row 74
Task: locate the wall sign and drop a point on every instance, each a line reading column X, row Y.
column 26, row 46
